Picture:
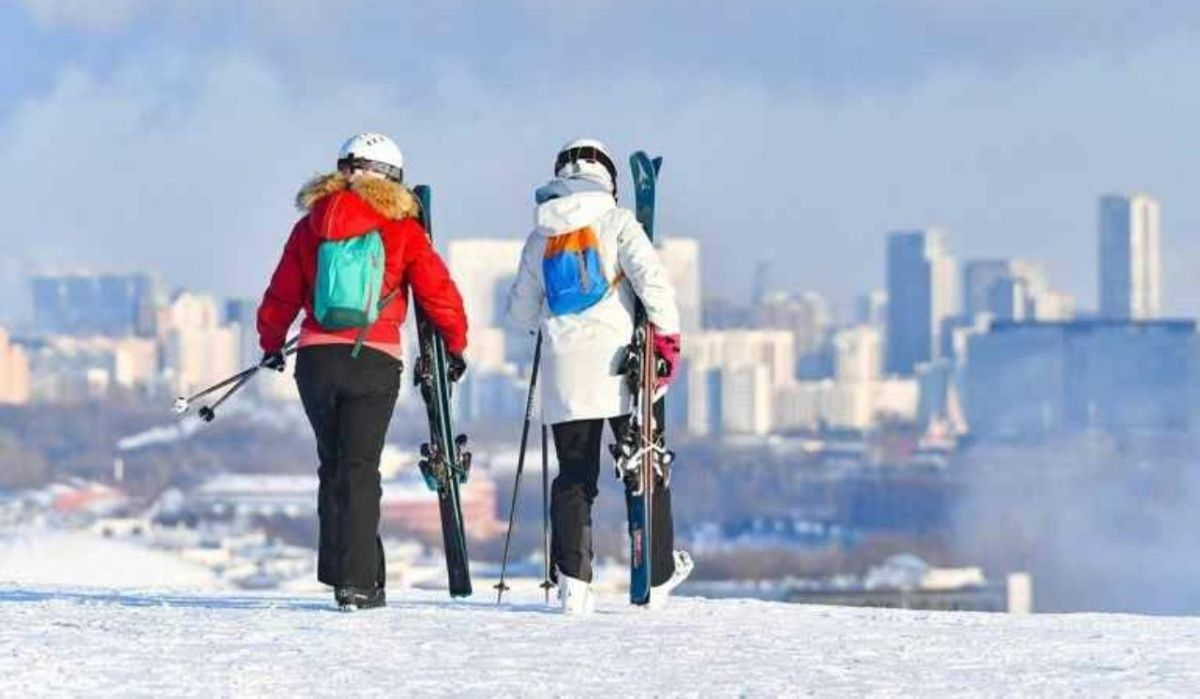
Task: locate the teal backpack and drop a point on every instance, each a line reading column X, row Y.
column 349, row 284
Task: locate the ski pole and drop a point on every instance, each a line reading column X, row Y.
column 547, row 583
column 512, row 508
column 209, row 412
column 182, row 404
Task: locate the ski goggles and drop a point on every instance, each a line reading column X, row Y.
column 391, row 172
column 590, row 153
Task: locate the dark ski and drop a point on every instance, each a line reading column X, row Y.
column 444, row 459
column 640, row 453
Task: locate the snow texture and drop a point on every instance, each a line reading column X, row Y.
column 79, row 641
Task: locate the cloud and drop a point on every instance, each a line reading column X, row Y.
column 93, row 16
column 186, row 161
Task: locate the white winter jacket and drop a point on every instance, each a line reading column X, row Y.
column 582, row 352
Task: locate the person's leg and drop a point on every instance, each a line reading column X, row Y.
column 577, row 444
column 372, row 382
column 316, row 379
column 662, row 544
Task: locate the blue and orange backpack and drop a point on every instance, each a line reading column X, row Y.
column 573, row 273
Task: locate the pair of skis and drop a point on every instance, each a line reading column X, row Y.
column 642, row 460
column 445, row 462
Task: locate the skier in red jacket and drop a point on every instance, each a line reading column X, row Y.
column 349, row 400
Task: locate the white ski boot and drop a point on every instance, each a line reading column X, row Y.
column 683, row 568
column 575, row 596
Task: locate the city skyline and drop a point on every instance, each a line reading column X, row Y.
column 1040, row 300
column 782, row 363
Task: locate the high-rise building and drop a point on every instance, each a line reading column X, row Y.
column 681, row 256
column 805, row 315
column 854, row 405
column 1012, row 290
column 704, row 399
column 1130, row 282
column 871, row 309
column 243, row 314
column 719, row 313
column 14, row 372
column 980, row 278
column 921, row 296
column 199, row 349
column 732, row 376
column 484, row 269
column 1053, row 306
column 858, row 354
column 84, row 303
column 69, row 369
column 773, row 349
column 746, row 405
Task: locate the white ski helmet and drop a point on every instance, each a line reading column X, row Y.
column 586, row 156
column 374, row 152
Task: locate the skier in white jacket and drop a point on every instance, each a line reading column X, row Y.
column 582, row 268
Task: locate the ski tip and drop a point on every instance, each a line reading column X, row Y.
column 640, row 163
column 424, row 196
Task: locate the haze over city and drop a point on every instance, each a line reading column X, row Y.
column 180, row 132
column 912, row 293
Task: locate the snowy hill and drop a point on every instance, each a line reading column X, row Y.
column 92, row 642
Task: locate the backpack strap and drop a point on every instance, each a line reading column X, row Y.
column 362, row 332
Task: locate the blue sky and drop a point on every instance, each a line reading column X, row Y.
column 171, row 135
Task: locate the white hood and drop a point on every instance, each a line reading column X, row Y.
column 571, row 212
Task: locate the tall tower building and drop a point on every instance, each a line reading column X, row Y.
column 1130, row 283
column 681, row 257
column 921, row 295
column 484, row 269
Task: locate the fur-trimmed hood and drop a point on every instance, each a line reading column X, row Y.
column 344, row 207
column 391, row 200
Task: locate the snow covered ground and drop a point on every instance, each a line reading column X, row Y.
column 54, row 557
column 76, row 641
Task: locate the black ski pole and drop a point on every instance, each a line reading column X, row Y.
column 547, row 583
column 501, row 587
column 182, row 404
column 209, row 412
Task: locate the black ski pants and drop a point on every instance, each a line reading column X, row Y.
column 578, row 444
column 349, row 402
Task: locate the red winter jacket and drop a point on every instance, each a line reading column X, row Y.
column 339, row 208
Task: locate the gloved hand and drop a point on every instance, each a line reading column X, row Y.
column 457, row 368
column 667, row 349
column 273, row 360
